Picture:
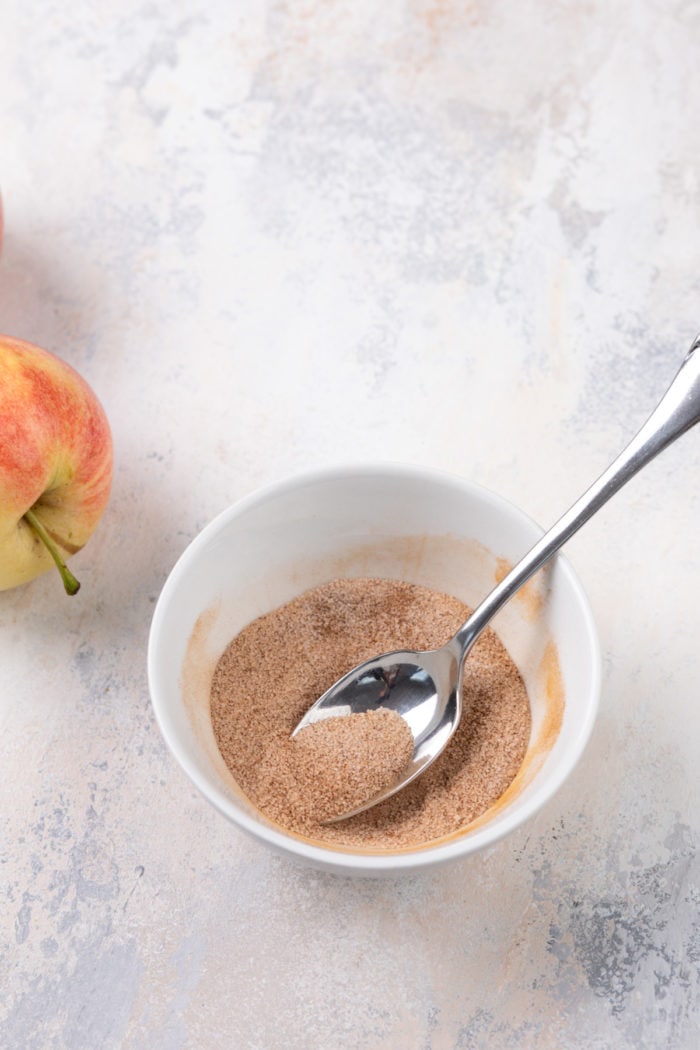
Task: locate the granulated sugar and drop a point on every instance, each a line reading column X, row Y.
column 281, row 663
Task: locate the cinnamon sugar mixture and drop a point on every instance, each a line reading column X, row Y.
column 281, row 663
column 346, row 761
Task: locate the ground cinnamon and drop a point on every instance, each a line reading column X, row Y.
column 273, row 671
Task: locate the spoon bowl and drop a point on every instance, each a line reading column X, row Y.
column 425, row 688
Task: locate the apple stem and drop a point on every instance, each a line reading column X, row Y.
column 69, row 581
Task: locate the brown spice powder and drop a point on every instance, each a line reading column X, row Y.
column 281, row 663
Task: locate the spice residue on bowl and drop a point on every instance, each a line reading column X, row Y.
column 280, row 664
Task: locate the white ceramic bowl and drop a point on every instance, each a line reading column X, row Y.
column 402, row 522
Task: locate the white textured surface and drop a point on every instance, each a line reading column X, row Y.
column 280, row 235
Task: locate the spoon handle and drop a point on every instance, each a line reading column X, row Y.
column 678, row 411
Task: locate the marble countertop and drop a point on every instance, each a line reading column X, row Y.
column 281, row 235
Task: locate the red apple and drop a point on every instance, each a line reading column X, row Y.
column 55, row 463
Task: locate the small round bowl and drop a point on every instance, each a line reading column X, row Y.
column 401, row 522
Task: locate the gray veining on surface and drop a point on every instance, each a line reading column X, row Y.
column 261, row 231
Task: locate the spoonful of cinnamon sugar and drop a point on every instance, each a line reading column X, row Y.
column 423, row 690
column 351, row 759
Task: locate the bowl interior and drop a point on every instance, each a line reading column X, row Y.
column 400, row 523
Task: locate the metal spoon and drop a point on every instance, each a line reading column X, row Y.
column 426, row 687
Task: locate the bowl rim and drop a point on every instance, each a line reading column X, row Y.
column 332, row 858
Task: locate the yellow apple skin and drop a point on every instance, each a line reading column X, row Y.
column 55, row 459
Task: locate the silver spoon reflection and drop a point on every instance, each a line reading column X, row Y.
column 425, row 688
